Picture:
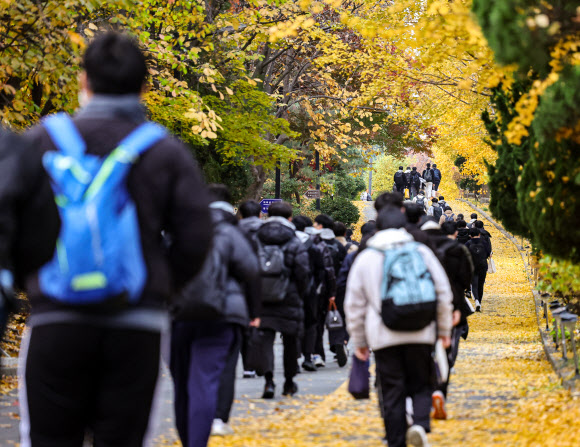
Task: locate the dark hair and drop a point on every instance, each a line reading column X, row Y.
column 301, row 222
column 115, row 65
column 422, row 191
column 425, row 218
column 434, row 200
column 400, row 167
column 448, row 208
column 428, row 165
column 250, row 208
column 408, row 167
column 391, row 217
column 349, row 233
column 414, row 168
column 461, row 224
column 434, row 165
column 369, row 228
column 324, row 220
column 413, row 212
column 449, row 227
column 474, row 232
column 473, row 216
column 460, row 217
column 478, row 224
column 339, row 229
column 389, row 198
column 441, row 198
column 219, row 192
column 281, row 209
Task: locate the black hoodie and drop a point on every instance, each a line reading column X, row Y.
column 287, row 316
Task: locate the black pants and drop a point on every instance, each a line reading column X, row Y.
column 477, row 283
column 227, row 387
column 309, row 341
column 400, row 188
column 80, row 378
column 320, row 324
column 452, row 353
column 405, row 370
column 290, row 343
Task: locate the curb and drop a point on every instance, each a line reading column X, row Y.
column 549, row 349
column 9, row 366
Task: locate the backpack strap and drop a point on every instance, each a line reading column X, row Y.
column 141, row 139
column 64, row 135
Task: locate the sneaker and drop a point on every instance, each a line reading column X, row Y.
column 438, row 400
column 477, row 306
column 249, row 374
column 417, row 437
column 318, row 361
column 290, row 388
column 308, row 365
column 269, row 390
column 341, row 355
column 221, row 428
column 409, row 411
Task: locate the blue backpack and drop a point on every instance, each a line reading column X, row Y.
column 409, row 301
column 98, row 253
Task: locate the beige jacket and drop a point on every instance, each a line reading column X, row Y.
column 363, row 297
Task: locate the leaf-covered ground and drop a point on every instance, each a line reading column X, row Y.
column 503, row 393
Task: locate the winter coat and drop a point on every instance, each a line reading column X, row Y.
column 479, row 240
column 408, row 178
column 486, row 236
column 463, row 235
column 287, row 316
column 350, row 247
column 435, row 211
column 170, row 196
column 363, row 296
column 415, row 179
column 240, row 272
column 436, row 175
column 250, row 226
column 445, row 215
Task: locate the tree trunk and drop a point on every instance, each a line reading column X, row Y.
column 254, row 192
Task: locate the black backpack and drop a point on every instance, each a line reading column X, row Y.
column 428, row 175
column 437, row 211
column 399, row 178
column 479, row 256
column 337, row 258
column 443, row 204
column 421, row 202
column 274, row 274
column 415, row 179
column 408, row 177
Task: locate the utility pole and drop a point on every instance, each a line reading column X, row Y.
column 317, row 167
column 371, row 178
column 278, row 180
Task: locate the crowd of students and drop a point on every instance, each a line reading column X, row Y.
column 133, row 244
column 409, row 181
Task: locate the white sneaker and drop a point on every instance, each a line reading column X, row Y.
column 220, row 428
column 417, row 437
column 477, row 306
column 249, row 374
column 409, row 411
column 318, row 360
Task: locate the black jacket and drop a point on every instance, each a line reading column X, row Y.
column 463, row 235
column 479, row 241
column 240, row 272
column 170, row 196
column 287, row 316
column 486, row 236
column 29, row 220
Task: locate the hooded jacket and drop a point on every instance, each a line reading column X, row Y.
column 240, row 272
column 363, row 296
column 250, row 226
column 170, row 198
column 463, row 235
column 287, row 316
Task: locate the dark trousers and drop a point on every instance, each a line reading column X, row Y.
column 227, row 387
column 436, row 186
column 309, row 341
column 80, row 378
column 400, row 188
column 320, row 324
column 452, row 353
column 199, row 352
column 290, row 343
column 413, row 192
column 477, row 283
column 405, row 370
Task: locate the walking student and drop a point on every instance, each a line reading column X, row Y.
column 209, row 316
column 479, row 254
column 400, row 180
column 436, row 180
column 90, row 360
column 283, row 292
column 429, row 178
column 401, row 336
column 415, row 182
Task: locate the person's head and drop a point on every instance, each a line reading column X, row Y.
column 434, row 200
column 413, row 212
column 460, row 217
column 369, row 228
column 389, row 198
column 280, row 209
column 349, row 233
column 474, row 216
column 113, row 65
column 219, row 193
column 408, row 168
column 434, row 165
column 441, row 198
column 449, row 228
column 414, row 168
column 400, row 168
column 461, row 224
column 422, row 193
column 339, row 229
column 249, row 208
column 428, row 165
column 474, row 233
column 391, row 217
column 301, row 222
column 448, row 208
column 478, row 224
column 323, row 221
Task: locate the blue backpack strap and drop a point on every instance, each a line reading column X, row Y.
column 64, row 135
column 141, row 139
